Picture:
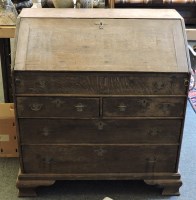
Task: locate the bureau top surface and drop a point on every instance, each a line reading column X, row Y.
column 101, row 40
column 100, row 13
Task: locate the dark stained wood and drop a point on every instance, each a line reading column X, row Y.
column 170, row 187
column 109, row 105
column 26, row 192
column 27, row 188
column 99, row 158
column 100, row 176
column 57, row 107
column 101, row 83
column 143, row 107
column 165, row 180
column 60, row 131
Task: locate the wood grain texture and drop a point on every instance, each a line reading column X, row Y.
column 27, row 183
column 101, row 94
column 59, row 131
column 100, row 176
column 143, row 107
column 97, row 83
column 99, row 158
column 57, row 107
column 99, row 13
column 27, row 188
column 101, row 44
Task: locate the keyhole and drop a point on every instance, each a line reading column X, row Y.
column 100, row 125
column 144, row 102
column 101, row 25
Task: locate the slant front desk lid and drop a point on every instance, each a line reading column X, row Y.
column 101, row 40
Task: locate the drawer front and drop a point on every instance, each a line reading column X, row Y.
column 101, row 83
column 99, row 158
column 144, row 107
column 53, row 131
column 57, row 107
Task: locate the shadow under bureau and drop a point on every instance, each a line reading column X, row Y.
column 100, row 95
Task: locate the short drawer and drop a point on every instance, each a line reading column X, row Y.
column 57, row 107
column 144, row 107
column 125, row 131
column 101, row 83
column 99, row 158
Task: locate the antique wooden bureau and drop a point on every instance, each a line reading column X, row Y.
column 100, row 95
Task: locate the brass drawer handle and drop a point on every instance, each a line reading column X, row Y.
column 151, row 160
column 100, row 151
column 36, row 107
column 17, row 80
column 151, row 163
column 79, row 107
column 165, row 107
column 48, row 160
column 153, row 132
column 122, row 107
column 45, row 132
column 186, row 82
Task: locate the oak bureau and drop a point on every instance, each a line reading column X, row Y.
column 100, row 95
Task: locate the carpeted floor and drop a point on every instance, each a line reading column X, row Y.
column 117, row 190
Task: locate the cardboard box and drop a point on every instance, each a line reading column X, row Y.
column 8, row 138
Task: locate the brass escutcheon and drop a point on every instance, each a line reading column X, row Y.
column 58, row 102
column 100, row 125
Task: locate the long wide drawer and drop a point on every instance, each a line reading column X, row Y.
column 57, row 107
column 134, row 83
column 144, row 107
column 98, row 158
column 64, row 131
